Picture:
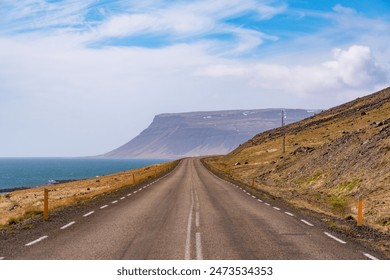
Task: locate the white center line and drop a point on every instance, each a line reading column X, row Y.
column 187, row 254
column 306, row 222
column 198, row 246
column 276, row 208
column 122, row 197
column 115, row 201
column 36, row 241
column 104, row 206
column 259, row 200
column 68, row 225
column 89, row 213
column 290, row 214
column 335, row 238
column 370, row 256
column 197, row 219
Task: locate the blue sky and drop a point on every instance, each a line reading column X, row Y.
column 83, row 77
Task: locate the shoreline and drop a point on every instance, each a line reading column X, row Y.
column 49, row 183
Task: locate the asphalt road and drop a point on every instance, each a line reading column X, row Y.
column 188, row 214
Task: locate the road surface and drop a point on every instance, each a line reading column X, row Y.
column 188, row 214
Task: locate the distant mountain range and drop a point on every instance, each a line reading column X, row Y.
column 203, row 133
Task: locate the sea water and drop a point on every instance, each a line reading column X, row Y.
column 32, row 172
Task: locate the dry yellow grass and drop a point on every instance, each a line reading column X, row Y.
column 330, row 159
column 25, row 203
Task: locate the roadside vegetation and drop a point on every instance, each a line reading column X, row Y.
column 21, row 205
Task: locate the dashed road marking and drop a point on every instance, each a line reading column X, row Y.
column 198, row 241
column 134, row 191
column 371, row 257
column 197, row 219
column 68, row 225
column 335, row 238
column 36, row 241
column 128, row 194
column 88, row 214
column 123, row 197
column 306, row 222
column 259, row 200
column 253, row 196
column 115, row 201
column 244, row 190
column 267, row 204
column 248, row 193
column 104, row 206
column 290, row 214
column 276, row 208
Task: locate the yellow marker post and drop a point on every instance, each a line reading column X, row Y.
column 45, row 204
column 360, row 211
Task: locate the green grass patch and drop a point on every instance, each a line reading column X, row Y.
column 313, row 178
column 348, row 185
column 338, row 204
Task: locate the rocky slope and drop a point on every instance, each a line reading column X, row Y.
column 330, row 159
column 202, row 133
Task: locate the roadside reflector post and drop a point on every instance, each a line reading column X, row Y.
column 45, row 204
column 360, row 211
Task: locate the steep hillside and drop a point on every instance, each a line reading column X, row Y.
column 202, row 133
column 330, row 159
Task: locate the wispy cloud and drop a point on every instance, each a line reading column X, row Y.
column 82, row 67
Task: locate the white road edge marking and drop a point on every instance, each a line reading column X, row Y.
column 253, row 196
column 123, row 197
column 128, row 194
column 104, row 206
column 198, row 246
column 267, row 204
column 134, row 191
column 276, row 208
column 248, row 193
column 68, row 225
column 36, row 241
column 290, row 214
column 115, row 201
column 306, row 222
column 259, row 200
column 370, row 256
column 89, row 213
column 335, row 238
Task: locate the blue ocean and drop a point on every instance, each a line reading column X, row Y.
column 32, row 172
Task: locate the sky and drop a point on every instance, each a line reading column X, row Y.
column 80, row 78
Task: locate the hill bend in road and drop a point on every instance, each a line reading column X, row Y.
column 189, row 214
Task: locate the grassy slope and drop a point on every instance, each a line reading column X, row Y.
column 330, row 159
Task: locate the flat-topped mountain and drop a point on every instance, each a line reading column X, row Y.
column 203, row 133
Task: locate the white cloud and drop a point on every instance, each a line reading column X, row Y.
column 352, row 69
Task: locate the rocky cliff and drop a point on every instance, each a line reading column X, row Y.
column 203, row 133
